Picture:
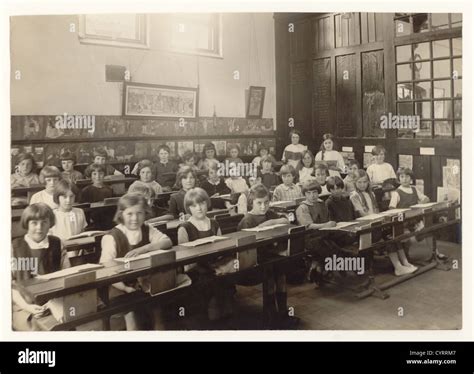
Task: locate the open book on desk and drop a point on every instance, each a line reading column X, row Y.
column 425, row 205
column 140, row 257
column 87, row 234
column 394, row 212
column 265, row 228
column 70, row 271
column 282, row 202
column 210, row 239
column 371, row 217
column 340, row 226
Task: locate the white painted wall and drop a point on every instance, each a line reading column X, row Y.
column 58, row 74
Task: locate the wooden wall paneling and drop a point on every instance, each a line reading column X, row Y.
column 436, row 178
column 322, row 98
column 373, row 93
column 329, row 32
column 338, row 30
column 422, row 170
column 346, row 95
column 379, row 26
column 371, row 27
column 364, row 38
column 282, row 57
column 300, row 99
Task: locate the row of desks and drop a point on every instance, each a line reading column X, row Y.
column 43, row 290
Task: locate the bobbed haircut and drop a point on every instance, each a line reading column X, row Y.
column 130, row 200
column 62, row 188
column 196, row 196
column 38, row 211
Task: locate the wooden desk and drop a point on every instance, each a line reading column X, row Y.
column 43, row 290
column 365, row 229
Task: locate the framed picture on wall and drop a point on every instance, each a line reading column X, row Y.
column 142, row 100
column 115, row 30
column 255, row 102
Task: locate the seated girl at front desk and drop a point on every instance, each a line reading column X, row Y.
column 275, row 297
column 364, row 202
column 405, row 196
column 131, row 237
column 49, row 254
column 197, row 204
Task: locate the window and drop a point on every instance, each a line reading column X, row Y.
column 198, row 34
column 415, row 23
column 429, row 85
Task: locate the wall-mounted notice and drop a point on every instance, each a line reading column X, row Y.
column 427, row 151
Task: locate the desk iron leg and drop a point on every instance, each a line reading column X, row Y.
column 441, row 264
column 268, row 297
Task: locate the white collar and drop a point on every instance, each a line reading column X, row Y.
column 34, row 245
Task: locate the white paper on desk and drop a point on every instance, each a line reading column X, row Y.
column 371, row 217
column 393, row 212
column 225, row 195
column 139, row 257
column 86, row 234
column 426, row 205
column 69, row 271
column 282, row 202
column 265, row 228
column 209, row 239
column 339, row 226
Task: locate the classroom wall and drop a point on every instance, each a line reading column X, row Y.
column 58, row 74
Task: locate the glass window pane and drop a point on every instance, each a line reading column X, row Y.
column 423, row 109
column 405, row 109
column 404, row 91
column 442, row 129
column 404, row 53
column 457, row 46
column 441, row 48
column 423, row 70
column 457, row 87
column 425, row 130
column 442, row 109
column 457, row 66
column 442, row 89
column 421, row 51
column 457, row 109
column 457, row 128
column 439, row 21
column 441, row 69
column 420, row 23
column 422, row 90
column 404, row 72
column 403, row 26
column 456, row 19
